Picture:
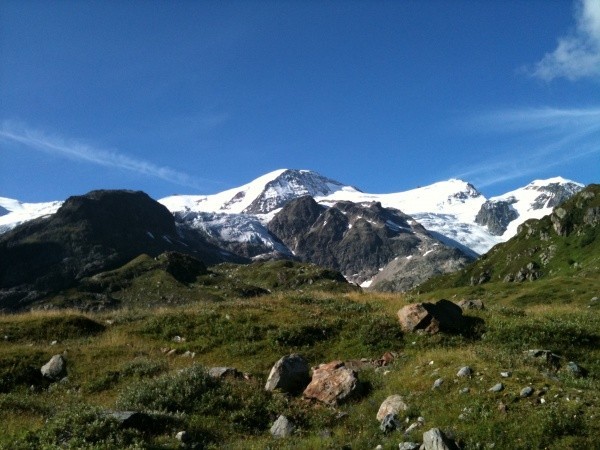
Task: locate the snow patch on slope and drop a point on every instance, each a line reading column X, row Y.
column 14, row 212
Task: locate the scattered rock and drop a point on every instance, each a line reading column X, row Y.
column 502, row 408
column 224, row 372
column 332, row 383
column 408, row 446
column 178, row 339
column 465, row 390
column 189, row 354
column 183, row 437
column 55, row 368
column 431, row 317
column 550, row 359
column 394, row 404
column 465, row 371
column 282, row 427
column 575, row 369
column 390, row 423
column 498, row 387
column 413, row 426
column 526, row 392
column 172, row 352
column 471, row 304
column 438, row 383
column 132, row 419
column 434, row 439
column 290, row 374
column 506, row 374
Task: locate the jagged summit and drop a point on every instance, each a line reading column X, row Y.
column 261, row 196
column 503, row 214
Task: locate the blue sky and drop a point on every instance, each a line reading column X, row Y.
column 196, row 97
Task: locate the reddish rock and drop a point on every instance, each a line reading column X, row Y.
column 431, row 317
column 332, row 383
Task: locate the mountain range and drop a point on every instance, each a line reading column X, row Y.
column 383, row 241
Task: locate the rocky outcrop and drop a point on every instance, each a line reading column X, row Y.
column 496, row 215
column 432, row 317
column 332, row 383
column 364, row 240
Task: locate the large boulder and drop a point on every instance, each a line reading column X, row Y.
column 432, row 317
column 332, row 383
column 290, row 374
column 55, row 368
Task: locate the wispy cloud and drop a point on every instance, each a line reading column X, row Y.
column 577, row 54
column 533, row 141
column 77, row 150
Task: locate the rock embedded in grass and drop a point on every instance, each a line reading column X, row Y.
column 282, row 427
column 498, row 387
column 526, row 392
column 394, row 404
column 332, row 383
column 55, row 368
column 435, row 439
column 438, row 383
column 465, row 371
column 431, row 317
column 290, row 374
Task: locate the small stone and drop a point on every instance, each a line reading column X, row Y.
column 55, row 369
column 172, row 352
column 413, row 426
column 526, row 392
column 502, row 408
column 394, row 404
column 465, row 371
column 434, row 439
column 183, row 437
column 465, row 390
column 379, row 447
column 389, row 423
column 575, row 369
column 506, row 374
column 438, row 383
column 189, row 354
column 178, row 339
column 498, row 387
column 282, row 427
column 224, row 372
column 408, row 446
column 53, row 342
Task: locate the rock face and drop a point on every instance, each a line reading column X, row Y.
column 361, row 240
column 496, row 215
column 434, row 439
column 332, row 383
column 394, row 404
column 431, row 317
column 290, row 374
column 55, row 369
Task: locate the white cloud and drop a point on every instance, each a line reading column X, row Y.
column 76, row 150
column 577, row 54
column 534, row 140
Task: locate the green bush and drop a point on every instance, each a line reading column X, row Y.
column 181, row 391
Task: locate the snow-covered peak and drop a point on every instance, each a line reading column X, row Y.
column 260, row 196
column 13, row 212
column 536, row 200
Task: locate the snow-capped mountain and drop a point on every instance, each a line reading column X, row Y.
column 503, row 214
column 261, row 196
column 13, row 212
column 453, row 211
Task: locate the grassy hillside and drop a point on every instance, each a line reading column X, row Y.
column 564, row 245
column 120, row 360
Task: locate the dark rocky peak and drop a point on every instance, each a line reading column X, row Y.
column 496, row 215
column 289, row 185
column 117, row 212
column 296, row 216
column 554, row 194
column 469, row 192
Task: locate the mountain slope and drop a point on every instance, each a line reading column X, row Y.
column 360, row 240
column 89, row 234
column 14, row 212
column 563, row 244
